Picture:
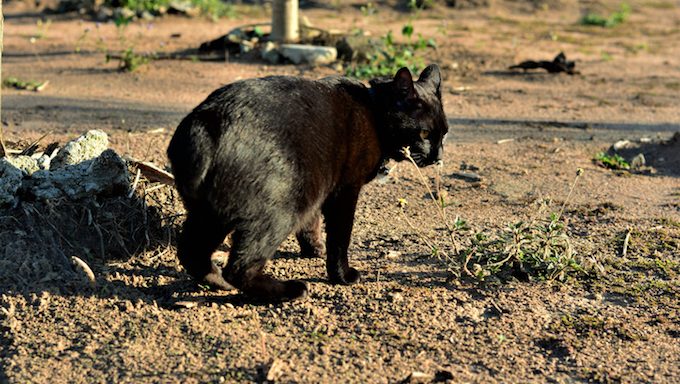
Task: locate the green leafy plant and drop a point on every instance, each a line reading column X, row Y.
column 614, row 161
column 390, row 56
column 215, row 9
column 540, row 249
column 29, row 85
column 613, row 20
column 42, row 29
column 368, row 9
column 129, row 60
column 419, row 5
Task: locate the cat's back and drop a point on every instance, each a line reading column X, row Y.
column 277, row 125
column 274, row 100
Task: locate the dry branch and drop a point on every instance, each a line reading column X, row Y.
column 85, row 268
column 152, row 172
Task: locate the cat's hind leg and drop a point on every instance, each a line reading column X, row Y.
column 202, row 233
column 245, row 270
column 310, row 238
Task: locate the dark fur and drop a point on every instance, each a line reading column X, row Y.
column 263, row 158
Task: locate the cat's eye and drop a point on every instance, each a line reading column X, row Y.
column 424, row 134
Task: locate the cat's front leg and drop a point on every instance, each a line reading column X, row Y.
column 338, row 211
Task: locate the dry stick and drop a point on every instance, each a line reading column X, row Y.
column 3, row 151
column 85, row 268
column 152, row 172
column 467, row 261
column 407, row 153
column 155, row 187
column 427, row 242
column 134, row 184
column 146, row 221
column 579, row 172
column 625, row 243
column 27, row 150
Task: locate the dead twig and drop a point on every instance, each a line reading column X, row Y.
column 134, row 184
column 31, row 148
column 152, row 172
column 438, row 206
column 625, row 244
column 85, row 268
column 3, row 151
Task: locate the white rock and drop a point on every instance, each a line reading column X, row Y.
column 105, row 174
column 85, row 147
column 10, row 181
column 315, row 55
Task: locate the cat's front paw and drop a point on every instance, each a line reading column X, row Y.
column 350, row 276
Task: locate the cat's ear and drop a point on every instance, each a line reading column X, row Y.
column 432, row 76
column 403, row 82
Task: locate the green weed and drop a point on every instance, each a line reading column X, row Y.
column 129, row 60
column 368, row 9
column 391, row 56
column 419, row 5
column 613, row 20
column 42, row 29
column 614, row 161
column 215, row 9
column 540, row 249
column 29, row 85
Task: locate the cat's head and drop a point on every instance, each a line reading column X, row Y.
column 411, row 115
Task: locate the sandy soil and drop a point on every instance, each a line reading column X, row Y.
column 620, row 322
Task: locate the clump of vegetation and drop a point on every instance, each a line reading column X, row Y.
column 29, row 85
column 129, row 60
column 614, row 161
column 419, row 5
column 215, row 9
column 391, row 56
column 613, row 20
column 538, row 248
column 368, row 9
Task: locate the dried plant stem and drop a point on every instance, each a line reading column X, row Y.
column 442, row 213
column 467, row 261
column 432, row 247
column 625, row 244
column 134, row 184
column 85, row 268
column 579, row 172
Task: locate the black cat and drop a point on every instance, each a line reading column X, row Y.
column 263, row 158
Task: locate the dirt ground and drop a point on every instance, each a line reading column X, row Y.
column 525, row 135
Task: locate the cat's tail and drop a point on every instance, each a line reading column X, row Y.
column 191, row 154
